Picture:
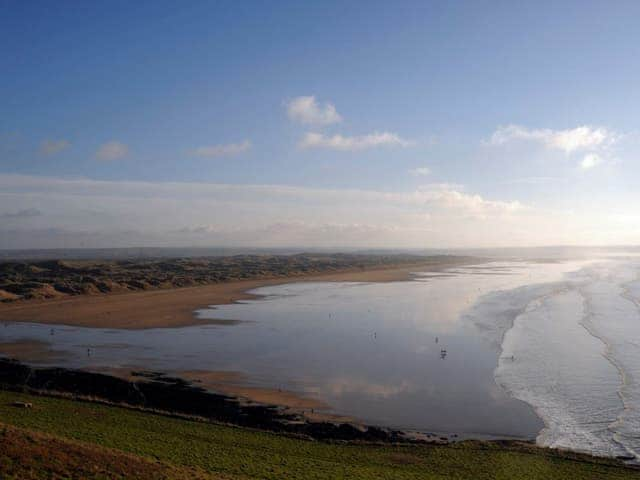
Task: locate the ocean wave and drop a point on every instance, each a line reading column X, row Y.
column 569, row 349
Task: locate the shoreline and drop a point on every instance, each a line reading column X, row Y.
column 236, row 385
column 230, row 407
column 216, row 396
column 226, row 383
column 47, row 435
column 176, row 307
column 92, row 388
column 173, row 396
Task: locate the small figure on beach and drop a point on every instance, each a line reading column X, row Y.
column 375, row 335
column 443, row 353
column 88, row 352
column 52, row 332
column 436, row 339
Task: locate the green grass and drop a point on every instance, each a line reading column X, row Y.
column 242, row 453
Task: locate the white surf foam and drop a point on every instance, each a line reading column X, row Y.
column 572, row 351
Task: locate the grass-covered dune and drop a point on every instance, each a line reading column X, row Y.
column 60, row 438
column 46, row 279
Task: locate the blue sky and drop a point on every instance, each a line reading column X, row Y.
column 504, row 103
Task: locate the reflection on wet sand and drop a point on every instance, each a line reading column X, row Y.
column 235, row 384
column 366, row 350
column 34, row 351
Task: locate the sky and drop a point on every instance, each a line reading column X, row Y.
column 410, row 124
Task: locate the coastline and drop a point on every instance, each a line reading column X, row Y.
column 175, row 307
column 233, row 385
column 174, row 396
column 61, row 428
column 217, row 396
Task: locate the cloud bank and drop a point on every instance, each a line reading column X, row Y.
column 91, row 213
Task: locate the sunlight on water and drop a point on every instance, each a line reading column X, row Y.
column 475, row 350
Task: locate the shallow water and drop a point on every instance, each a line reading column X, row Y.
column 371, row 351
column 558, row 339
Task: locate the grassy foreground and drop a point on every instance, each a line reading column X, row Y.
column 61, row 438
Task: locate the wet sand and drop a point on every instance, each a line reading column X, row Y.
column 234, row 384
column 33, row 351
column 176, row 307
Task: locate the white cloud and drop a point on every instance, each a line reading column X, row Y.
column 420, row 171
column 308, row 111
column 591, row 160
column 293, row 232
column 225, row 150
column 571, row 140
column 339, row 142
column 113, row 150
column 51, row 147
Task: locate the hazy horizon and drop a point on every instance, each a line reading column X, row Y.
column 543, row 253
column 417, row 125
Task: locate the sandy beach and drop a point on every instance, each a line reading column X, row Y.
column 176, row 307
